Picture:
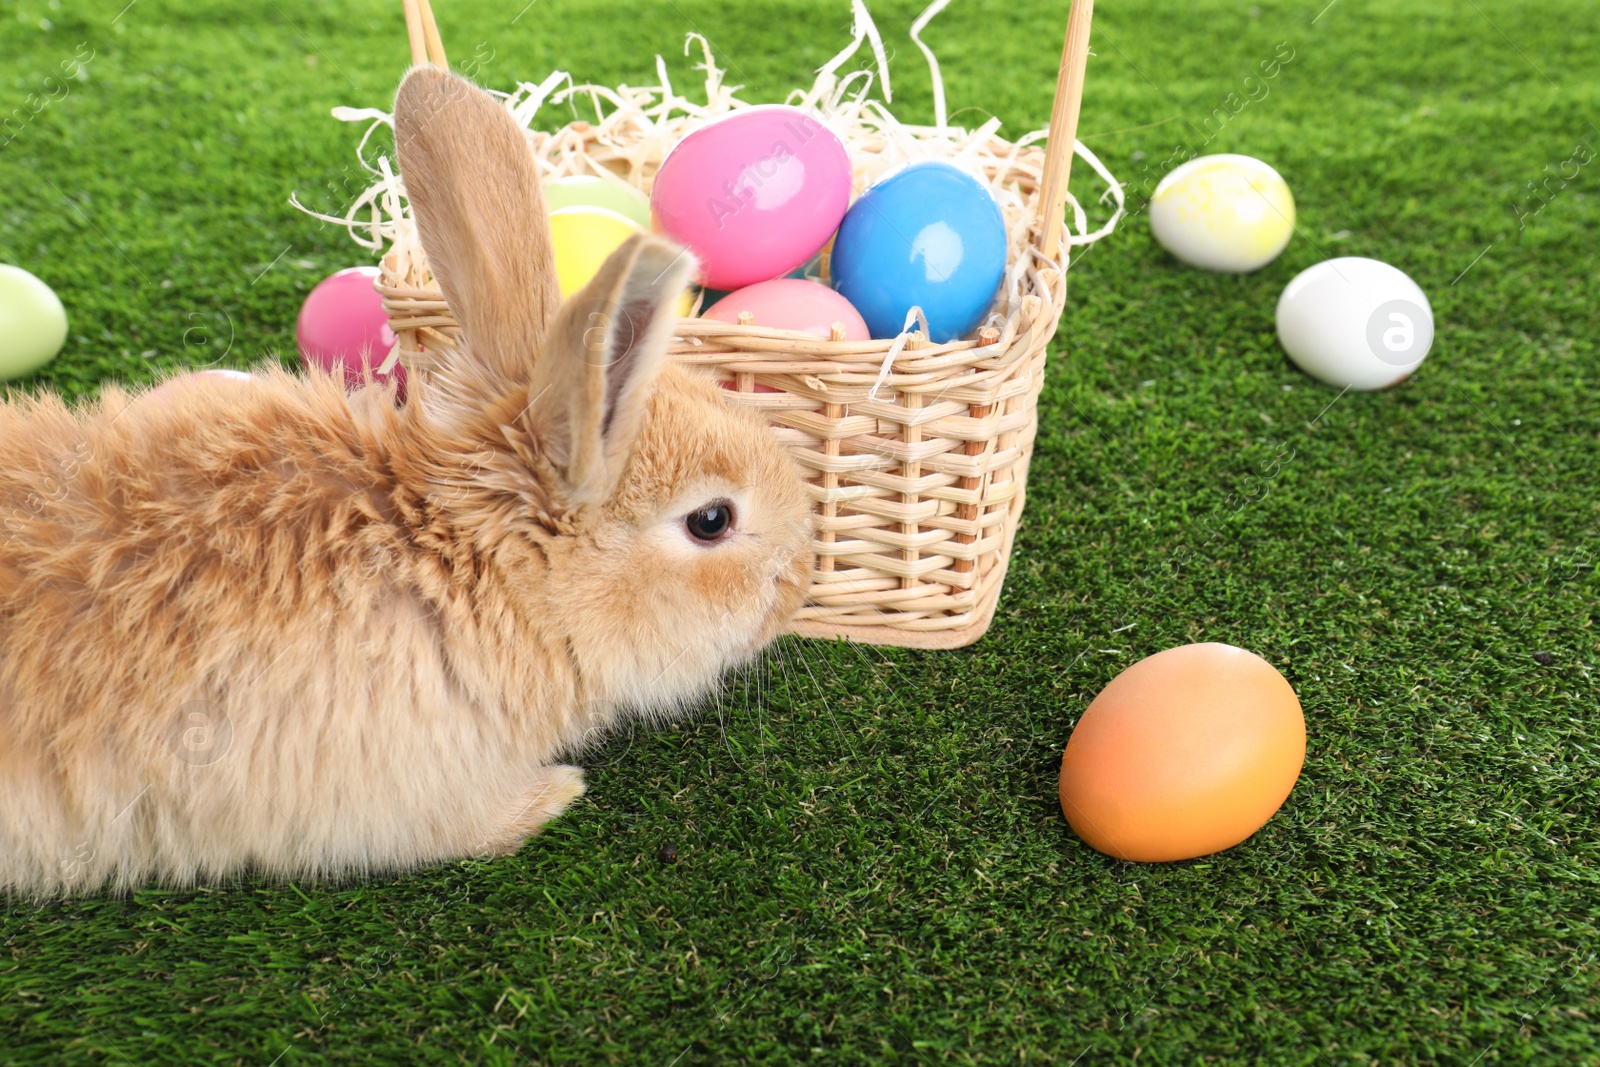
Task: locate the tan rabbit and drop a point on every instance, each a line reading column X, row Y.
column 270, row 626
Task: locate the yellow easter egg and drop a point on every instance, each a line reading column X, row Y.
column 1226, row 213
column 583, row 238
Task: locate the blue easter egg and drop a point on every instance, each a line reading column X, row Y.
column 930, row 236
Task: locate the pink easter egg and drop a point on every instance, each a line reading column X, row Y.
column 753, row 195
column 343, row 325
column 792, row 304
column 757, row 387
column 184, row 382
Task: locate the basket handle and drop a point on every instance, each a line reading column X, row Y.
column 426, row 47
column 1063, row 128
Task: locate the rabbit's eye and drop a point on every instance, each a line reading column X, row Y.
column 710, row 523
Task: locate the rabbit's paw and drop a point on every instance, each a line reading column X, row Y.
column 554, row 788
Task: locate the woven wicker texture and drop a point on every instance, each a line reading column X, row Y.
column 917, row 453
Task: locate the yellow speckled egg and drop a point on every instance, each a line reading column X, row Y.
column 1226, row 213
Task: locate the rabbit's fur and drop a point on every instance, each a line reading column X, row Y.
column 271, row 626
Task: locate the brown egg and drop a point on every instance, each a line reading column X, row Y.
column 1185, row 753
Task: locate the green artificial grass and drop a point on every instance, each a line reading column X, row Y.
column 857, row 856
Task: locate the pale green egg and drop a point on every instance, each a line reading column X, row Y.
column 33, row 324
column 592, row 191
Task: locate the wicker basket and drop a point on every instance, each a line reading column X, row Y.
column 917, row 452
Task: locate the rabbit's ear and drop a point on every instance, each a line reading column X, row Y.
column 475, row 195
column 600, row 363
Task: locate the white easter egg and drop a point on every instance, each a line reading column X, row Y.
column 1226, row 213
column 1355, row 323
